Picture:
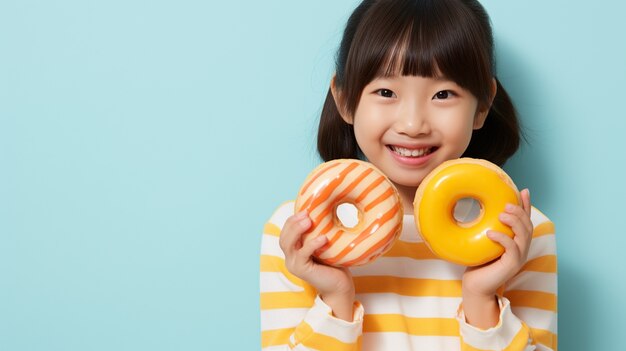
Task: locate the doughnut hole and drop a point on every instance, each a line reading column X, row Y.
column 467, row 212
column 347, row 215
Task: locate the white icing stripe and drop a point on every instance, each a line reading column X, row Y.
column 277, row 282
column 359, row 257
column 535, row 281
column 376, row 193
column 282, row 318
column 536, row 318
column 372, row 195
column 323, row 182
column 416, row 307
column 370, row 241
column 401, row 341
column 409, row 268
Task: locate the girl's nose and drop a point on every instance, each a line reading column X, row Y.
column 412, row 121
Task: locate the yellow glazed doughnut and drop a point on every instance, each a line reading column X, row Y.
column 435, row 200
column 379, row 211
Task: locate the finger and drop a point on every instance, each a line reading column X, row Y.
column 520, row 229
column 509, row 244
column 310, row 246
column 526, row 201
column 292, row 231
column 521, row 214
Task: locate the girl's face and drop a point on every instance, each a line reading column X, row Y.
column 408, row 125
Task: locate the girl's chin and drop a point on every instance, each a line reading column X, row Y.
column 406, row 184
column 407, row 178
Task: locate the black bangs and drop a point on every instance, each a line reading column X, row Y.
column 436, row 38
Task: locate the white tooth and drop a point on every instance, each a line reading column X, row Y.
column 410, row 153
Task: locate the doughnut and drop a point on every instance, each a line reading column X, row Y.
column 380, row 212
column 464, row 243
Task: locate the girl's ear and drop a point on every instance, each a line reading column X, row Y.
column 339, row 100
column 481, row 113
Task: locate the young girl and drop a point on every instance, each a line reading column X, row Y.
column 414, row 86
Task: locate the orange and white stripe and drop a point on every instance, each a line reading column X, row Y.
column 409, row 300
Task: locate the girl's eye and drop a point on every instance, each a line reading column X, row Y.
column 386, row 93
column 444, row 94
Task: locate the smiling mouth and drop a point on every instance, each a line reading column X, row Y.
column 404, row 152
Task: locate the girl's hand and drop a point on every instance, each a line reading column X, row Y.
column 334, row 285
column 481, row 283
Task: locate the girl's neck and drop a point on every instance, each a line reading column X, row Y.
column 407, row 195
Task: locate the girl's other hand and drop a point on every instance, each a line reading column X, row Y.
column 481, row 283
column 334, row 285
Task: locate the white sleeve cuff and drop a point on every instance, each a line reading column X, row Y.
column 320, row 318
column 495, row 338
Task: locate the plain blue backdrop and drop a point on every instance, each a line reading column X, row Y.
column 144, row 143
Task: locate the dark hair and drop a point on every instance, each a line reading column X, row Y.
column 420, row 38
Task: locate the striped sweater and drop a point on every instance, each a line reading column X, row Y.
column 408, row 299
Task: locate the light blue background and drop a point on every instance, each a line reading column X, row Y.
column 144, row 143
